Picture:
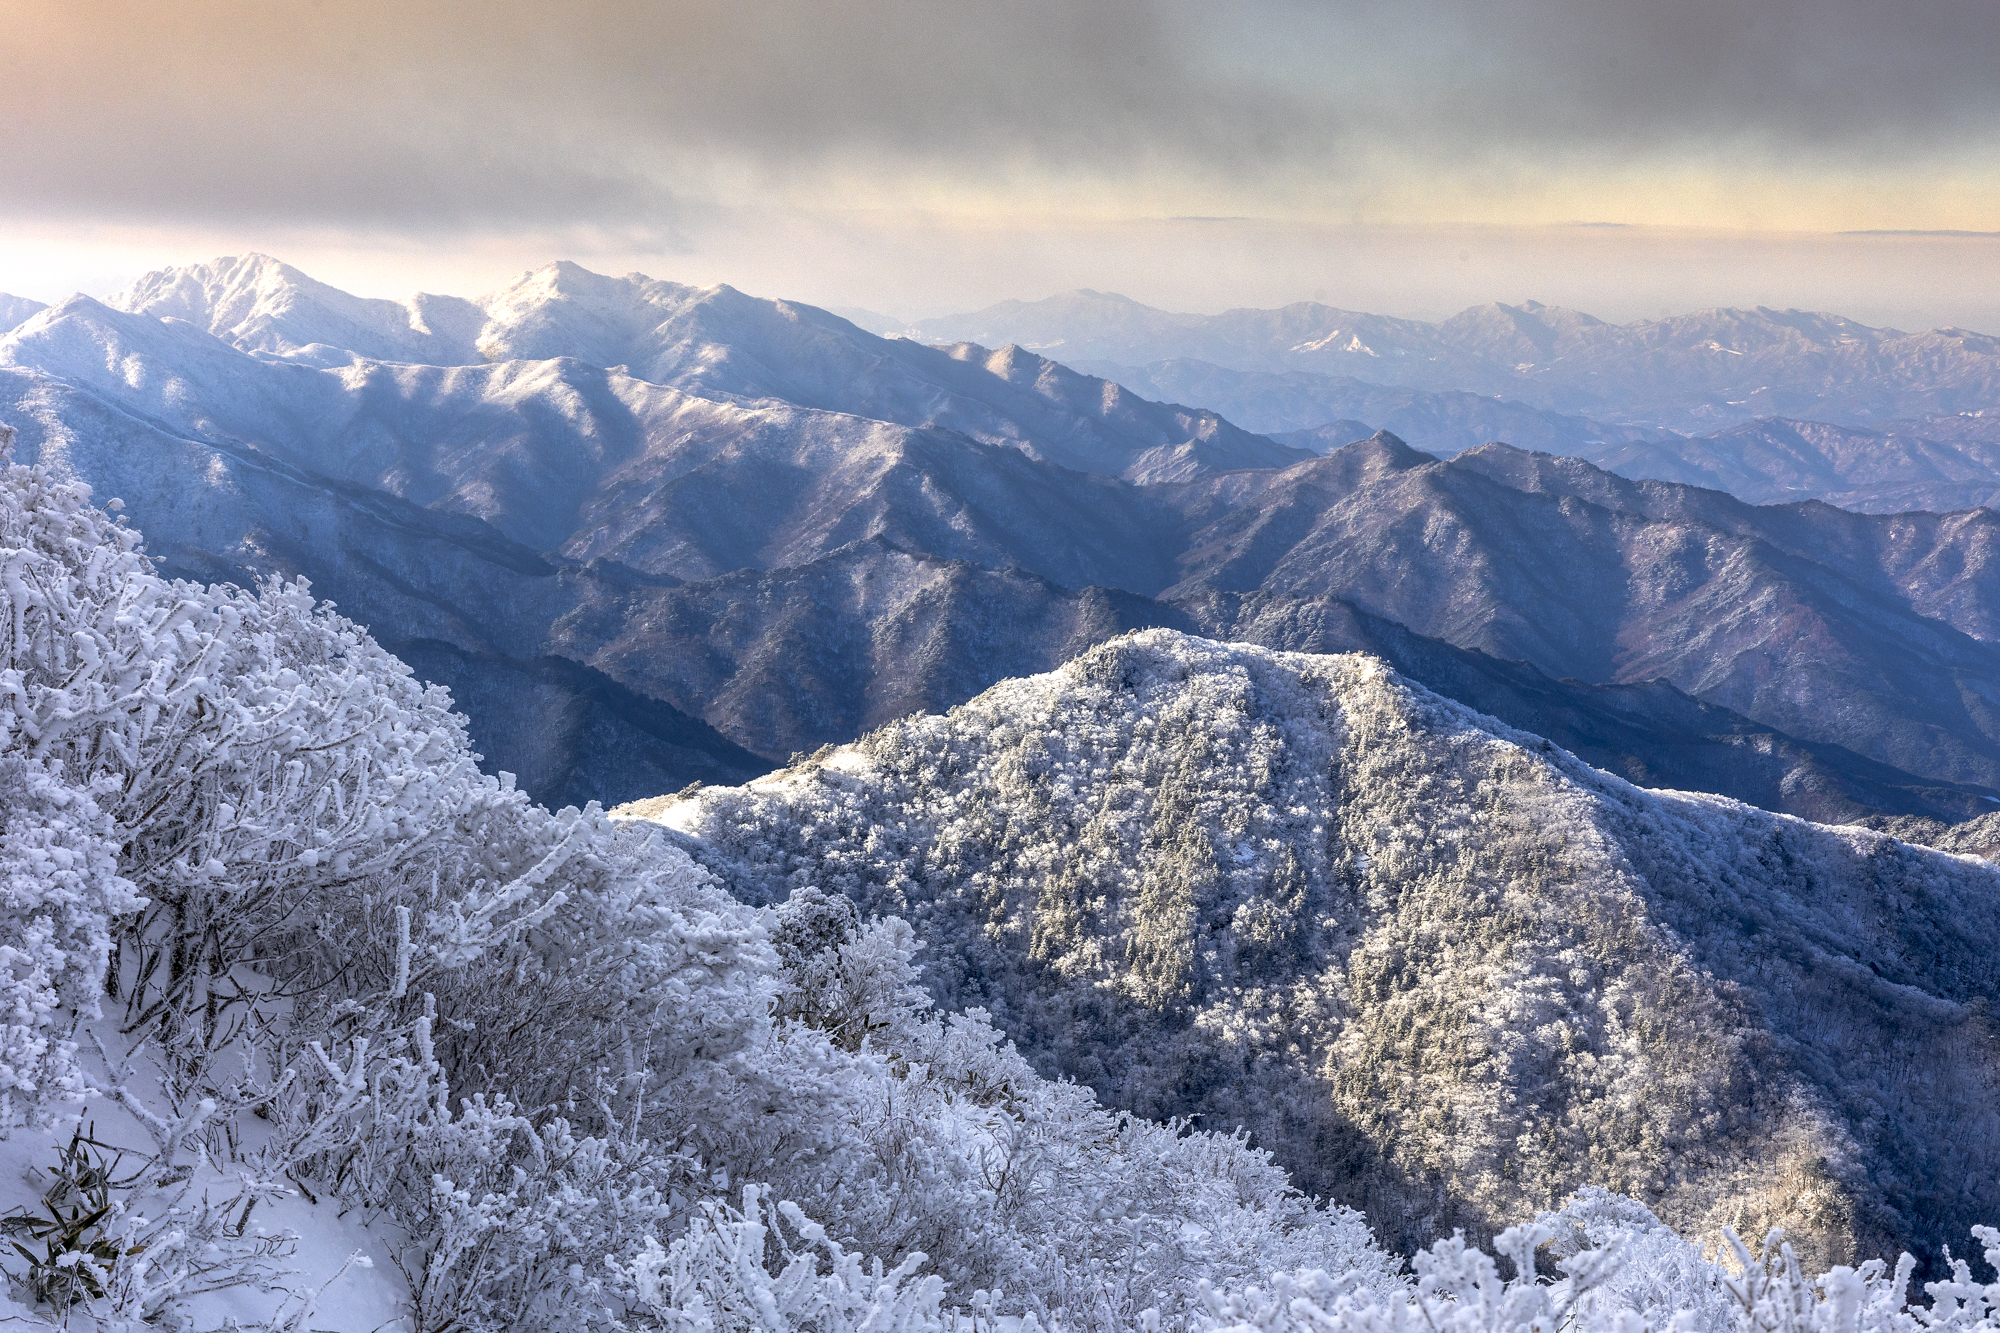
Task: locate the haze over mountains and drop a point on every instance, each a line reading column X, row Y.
column 1934, row 463
column 709, row 529
column 1687, row 373
column 1809, row 406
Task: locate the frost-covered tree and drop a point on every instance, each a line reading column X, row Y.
column 1443, row 970
column 261, row 898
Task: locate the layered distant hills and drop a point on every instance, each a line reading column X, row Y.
column 1690, row 372
column 1770, row 405
column 652, row 534
column 1282, row 780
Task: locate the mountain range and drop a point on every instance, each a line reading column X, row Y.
column 715, row 343
column 1938, row 464
column 1309, row 785
column 1693, row 372
column 626, row 518
column 1322, row 412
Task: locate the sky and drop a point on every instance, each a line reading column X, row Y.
column 1630, row 157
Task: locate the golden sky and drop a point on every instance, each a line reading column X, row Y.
column 1409, row 157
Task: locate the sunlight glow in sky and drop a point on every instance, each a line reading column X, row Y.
column 1411, row 158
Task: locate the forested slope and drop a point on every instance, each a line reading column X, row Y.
column 1442, row 968
column 301, row 960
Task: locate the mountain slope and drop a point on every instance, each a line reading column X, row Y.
column 1292, row 406
column 1445, row 970
column 713, row 342
column 15, row 310
column 796, row 658
column 1878, row 634
column 579, row 735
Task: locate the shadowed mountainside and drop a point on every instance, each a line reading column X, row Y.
column 794, row 574
column 1442, row 968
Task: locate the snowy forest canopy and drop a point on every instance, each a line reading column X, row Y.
column 273, row 941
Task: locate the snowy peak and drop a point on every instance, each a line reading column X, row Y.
column 263, row 305
column 564, row 309
column 16, row 310
column 223, row 294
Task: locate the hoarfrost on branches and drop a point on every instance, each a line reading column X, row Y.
column 261, row 900
column 1446, row 972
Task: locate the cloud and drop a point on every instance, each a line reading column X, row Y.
column 504, row 114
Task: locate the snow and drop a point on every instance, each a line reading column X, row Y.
column 479, row 1065
column 714, row 343
column 1221, row 851
column 369, row 1004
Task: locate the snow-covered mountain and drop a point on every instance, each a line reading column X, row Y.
column 1899, row 467
column 687, row 541
column 15, row 310
column 714, row 342
column 1442, row 967
column 1689, row 373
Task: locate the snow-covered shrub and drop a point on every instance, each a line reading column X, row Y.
column 60, row 891
column 717, row 1278
column 1659, row 1274
column 536, row 1050
column 848, row 980
column 1019, row 1186
column 1460, row 1289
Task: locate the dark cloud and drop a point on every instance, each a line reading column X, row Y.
column 504, row 113
column 1861, row 76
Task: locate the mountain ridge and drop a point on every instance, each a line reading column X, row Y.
column 604, row 491
column 1439, row 966
column 713, row 342
column 1684, row 373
